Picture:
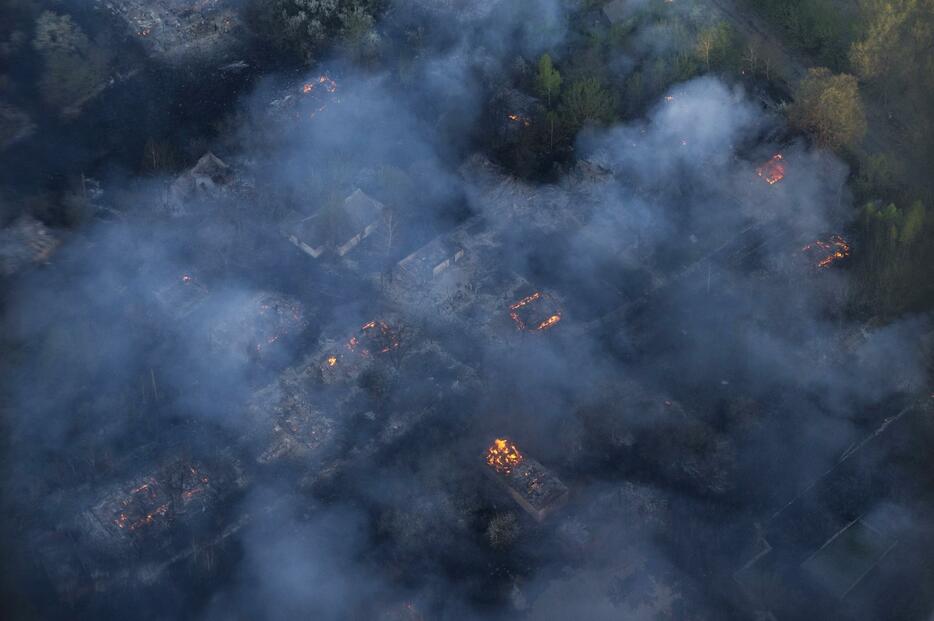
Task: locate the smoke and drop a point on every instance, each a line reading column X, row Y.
column 684, row 298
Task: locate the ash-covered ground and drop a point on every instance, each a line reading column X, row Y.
column 351, row 361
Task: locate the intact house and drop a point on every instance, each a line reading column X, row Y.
column 210, row 181
column 336, row 230
column 431, row 260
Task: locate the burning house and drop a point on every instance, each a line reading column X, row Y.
column 290, row 425
column 305, row 100
column 825, row 252
column 177, row 30
column 336, row 229
column 535, row 312
column 344, row 361
column 24, row 242
column 773, row 170
column 151, row 517
column 529, row 483
column 375, row 338
column 511, row 112
column 146, row 513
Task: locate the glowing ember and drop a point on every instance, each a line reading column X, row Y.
column 195, row 484
column 123, row 520
column 515, row 118
column 524, row 312
column 376, row 337
column 332, row 361
column 320, row 86
column 133, row 515
column 526, row 300
column 549, row 322
column 277, row 317
column 828, row 252
column 155, row 502
column 323, row 81
column 772, row 171
column 503, row 456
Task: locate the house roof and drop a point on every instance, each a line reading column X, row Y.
column 208, row 179
column 210, row 167
column 337, row 225
column 424, row 260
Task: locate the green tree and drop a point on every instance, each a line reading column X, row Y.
column 358, row 36
column 898, row 40
column 548, row 80
column 893, row 255
column 303, row 27
column 713, row 44
column 896, row 58
column 829, row 107
column 586, row 101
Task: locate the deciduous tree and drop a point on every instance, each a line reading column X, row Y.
column 586, row 101
column 713, row 43
column 548, row 80
column 829, row 107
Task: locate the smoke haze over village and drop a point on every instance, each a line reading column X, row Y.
column 381, row 326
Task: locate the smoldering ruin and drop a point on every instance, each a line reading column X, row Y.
column 348, row 360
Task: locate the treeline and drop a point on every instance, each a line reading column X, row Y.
column 884, row 92
column 822, row 28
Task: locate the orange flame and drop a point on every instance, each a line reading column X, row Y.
column 323, row 81
column 830, row 251
column 319, row 84
column 123, row 520
column 332, row 360
column 516, row 118
column 148, row 493
column 526, row 301
column 529, row 299
column 503, row 456
column 549, row 322
column 772, row 171
column 378, row 336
